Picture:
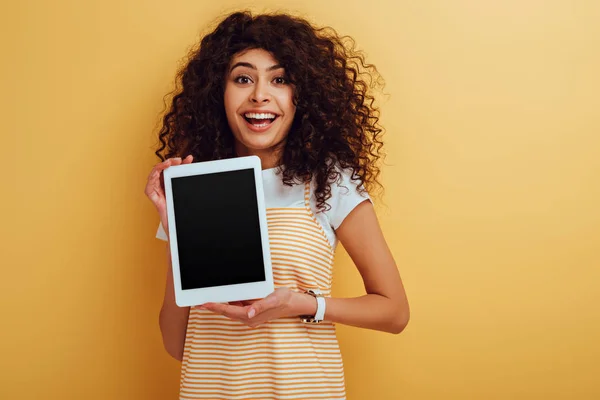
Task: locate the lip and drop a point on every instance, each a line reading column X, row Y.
column 259, row 111
column 262, row 128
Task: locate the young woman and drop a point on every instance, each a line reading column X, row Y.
column 295, row 96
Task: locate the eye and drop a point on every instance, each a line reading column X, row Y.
column 243, row 79
column 280, row 80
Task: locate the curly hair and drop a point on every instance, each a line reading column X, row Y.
column 336, row 122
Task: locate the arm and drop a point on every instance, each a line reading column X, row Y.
column 385, row 306
column 173, row 319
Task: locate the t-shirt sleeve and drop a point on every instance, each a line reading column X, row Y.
column 345, row 196
column 160, row 233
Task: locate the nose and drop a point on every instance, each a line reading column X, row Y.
column 260, row 94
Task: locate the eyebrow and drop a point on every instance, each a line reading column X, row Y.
column 248, row 65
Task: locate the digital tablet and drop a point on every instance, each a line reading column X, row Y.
column 218, row 231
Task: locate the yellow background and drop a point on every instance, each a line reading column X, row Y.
column 491, row 206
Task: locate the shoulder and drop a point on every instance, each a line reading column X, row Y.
column 346, row 193
column 347, row 184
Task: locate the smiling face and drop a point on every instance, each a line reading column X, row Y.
column 259, row 105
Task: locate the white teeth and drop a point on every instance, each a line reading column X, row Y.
column 260, row 116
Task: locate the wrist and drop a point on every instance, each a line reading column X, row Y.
column 305, row 304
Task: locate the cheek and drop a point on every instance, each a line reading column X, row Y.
column 287, row 102
column 230, row 111
column 228, row 102
column 232, row 98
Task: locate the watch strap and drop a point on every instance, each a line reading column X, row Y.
column 320, row 313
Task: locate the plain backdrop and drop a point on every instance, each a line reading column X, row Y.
column 491, row 205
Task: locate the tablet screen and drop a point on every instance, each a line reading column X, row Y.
column 218, row 229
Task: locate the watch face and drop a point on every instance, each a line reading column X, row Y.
column 309, row 320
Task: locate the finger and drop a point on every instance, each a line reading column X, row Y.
column 163, row 165
column 154, row 191
column 262, row 306
column 156, row 172
column 230, row 311
column 156, row 178
column 188, row 159
column 158, row 168
column 156, row 194
column 236, row 303
column 155, row 198
column 155, row 185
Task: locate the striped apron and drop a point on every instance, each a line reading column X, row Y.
column 281, row 359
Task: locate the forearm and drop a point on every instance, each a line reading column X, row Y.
column 173, row 319
column 173, row 325
column 371, row 311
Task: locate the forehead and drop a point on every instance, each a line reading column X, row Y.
column 259, row 58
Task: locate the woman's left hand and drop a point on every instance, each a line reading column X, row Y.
column 282, row 303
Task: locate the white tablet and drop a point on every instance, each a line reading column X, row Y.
column 218, row 231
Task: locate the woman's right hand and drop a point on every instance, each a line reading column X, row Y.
column 155, row 187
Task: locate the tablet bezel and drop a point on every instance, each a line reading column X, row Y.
column 225, row 293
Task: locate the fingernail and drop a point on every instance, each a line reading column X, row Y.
column 251, row 313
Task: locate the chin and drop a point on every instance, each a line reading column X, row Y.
column 258, row 144
column 259, row 141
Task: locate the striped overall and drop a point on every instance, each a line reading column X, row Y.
column 281, row 359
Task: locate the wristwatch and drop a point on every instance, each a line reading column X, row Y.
column 320, row 314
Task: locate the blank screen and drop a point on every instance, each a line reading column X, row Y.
column 218, row 229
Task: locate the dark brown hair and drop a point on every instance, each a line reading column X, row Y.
column 336, row 122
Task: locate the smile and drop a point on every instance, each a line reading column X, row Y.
column 259, row 122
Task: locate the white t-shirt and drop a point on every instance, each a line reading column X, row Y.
column 344, row 198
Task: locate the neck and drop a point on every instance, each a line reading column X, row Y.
column 269, row 158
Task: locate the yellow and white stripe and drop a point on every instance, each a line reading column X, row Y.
column 282, row 359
